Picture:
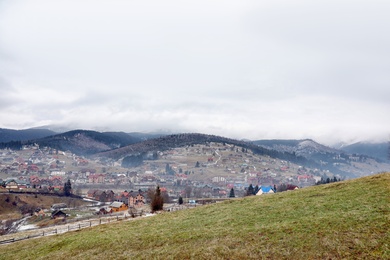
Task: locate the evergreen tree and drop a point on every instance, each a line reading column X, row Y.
column 257, row 188
column 232, row 195
column 250, row 190
column 180, row 200
column 67, row 188
column 281, row 187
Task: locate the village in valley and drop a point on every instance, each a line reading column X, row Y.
column 198, row 171
column 191, row 175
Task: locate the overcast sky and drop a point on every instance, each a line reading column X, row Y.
column 257, row 69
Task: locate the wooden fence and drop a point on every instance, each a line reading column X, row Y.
column 66, row 228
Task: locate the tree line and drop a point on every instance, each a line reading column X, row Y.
column 327, row 180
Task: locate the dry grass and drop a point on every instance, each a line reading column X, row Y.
column 10, row 203
column 345, row 220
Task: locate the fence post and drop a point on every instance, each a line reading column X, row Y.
column 56, row 231
column 100, row 221
column 90, row 223
column 79, row 226
column 68, row 228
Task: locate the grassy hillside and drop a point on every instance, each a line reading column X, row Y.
column 341, row 220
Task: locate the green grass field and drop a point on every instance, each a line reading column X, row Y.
column 343, row 220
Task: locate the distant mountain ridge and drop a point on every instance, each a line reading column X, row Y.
column 81, row 142
column 147, row 147
column 173, row 141
column 309, row 148
column 86, row 142
column 8, row 135
column 376, row 150
column 304, row 147
column 357, row 158
column 117, row 146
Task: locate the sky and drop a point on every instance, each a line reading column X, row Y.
column 261, row 69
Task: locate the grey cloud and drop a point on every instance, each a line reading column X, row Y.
column 269, row 69
column 9, row 95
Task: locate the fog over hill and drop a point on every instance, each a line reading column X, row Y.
column 303, row 147
column 377, row 150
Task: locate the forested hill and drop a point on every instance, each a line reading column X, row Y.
column 11, row 135
column 182, row 140
column 80, row 142
column 87, row 142
column 305, row 153
column 120, row 146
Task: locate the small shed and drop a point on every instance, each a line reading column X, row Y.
column 104, row 211
column 58, row 214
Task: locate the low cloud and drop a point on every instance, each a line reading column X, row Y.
column 270, row 69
